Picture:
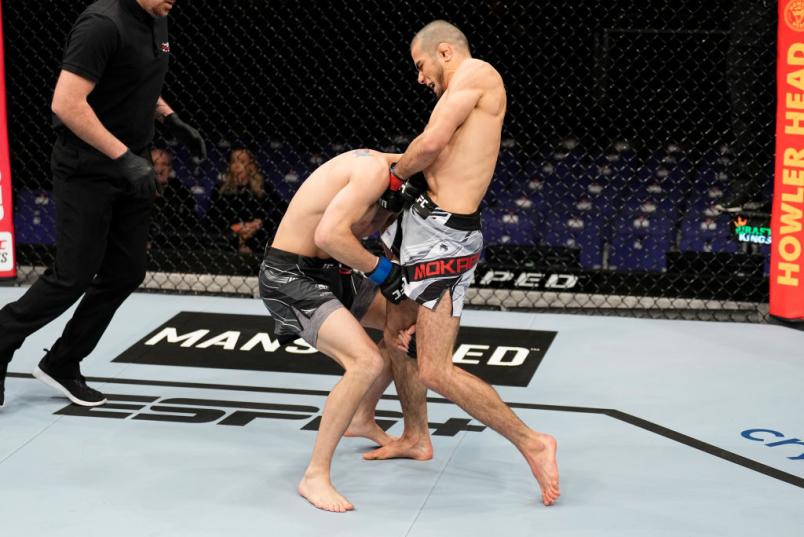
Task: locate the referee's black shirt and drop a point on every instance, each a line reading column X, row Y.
column 124, row 50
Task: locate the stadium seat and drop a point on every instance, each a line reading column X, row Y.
column 581, row 232
column 702, row 233
column 502, row 226
column 34, row 217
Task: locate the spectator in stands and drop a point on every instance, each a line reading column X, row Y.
column 245, row 207
column 174, row 207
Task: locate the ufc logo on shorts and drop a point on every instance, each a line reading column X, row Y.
column 444, row 267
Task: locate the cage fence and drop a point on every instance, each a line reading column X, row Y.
column 627, row 124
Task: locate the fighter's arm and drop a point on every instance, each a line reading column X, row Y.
column 449, row 114
column 334, row 232
column 71, row 107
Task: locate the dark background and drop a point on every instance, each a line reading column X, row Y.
column 313, row 72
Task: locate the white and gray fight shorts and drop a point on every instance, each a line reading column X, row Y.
column 438, row 250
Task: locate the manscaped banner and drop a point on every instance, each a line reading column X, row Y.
column 8, row 268
column 225, row 341
column 786, row 278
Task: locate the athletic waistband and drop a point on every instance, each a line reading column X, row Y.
column 307, row 262
column 425, row 207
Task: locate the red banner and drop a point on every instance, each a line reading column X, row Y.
column 8, row 268
column 787, row 224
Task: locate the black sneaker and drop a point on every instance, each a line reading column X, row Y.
column 74, row 387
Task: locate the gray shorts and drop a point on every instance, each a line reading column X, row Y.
column 301, row 292
column 438, row 250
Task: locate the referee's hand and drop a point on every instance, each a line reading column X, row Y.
column 139, row 172
column 187, row 135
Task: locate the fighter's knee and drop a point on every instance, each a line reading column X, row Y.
column 368, row 361
column 434, row 377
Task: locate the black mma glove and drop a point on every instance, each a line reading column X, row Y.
column 187, row 135
column 415, row 186
column 388, row 276
column 392, row 200
column 139, row 172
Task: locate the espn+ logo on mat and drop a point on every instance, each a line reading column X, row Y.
column 235, row 413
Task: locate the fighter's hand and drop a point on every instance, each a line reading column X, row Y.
column 415, row 186
column 404, row 337
column 188, row 136
column 139, row 172
column 388, row 276
column 391, row 200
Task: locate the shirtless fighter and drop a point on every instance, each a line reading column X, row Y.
column 439, row 240
column 309, row 287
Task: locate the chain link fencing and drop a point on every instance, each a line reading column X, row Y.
column 627, row 123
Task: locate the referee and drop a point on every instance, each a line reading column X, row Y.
column 106, row 100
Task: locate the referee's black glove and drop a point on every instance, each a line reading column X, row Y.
column 139, row 172
column 187, row 135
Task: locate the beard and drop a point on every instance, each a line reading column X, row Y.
column 439, row 80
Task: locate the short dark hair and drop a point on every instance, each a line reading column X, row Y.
column 440, row 31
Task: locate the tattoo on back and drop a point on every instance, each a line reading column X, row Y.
column 362, row 152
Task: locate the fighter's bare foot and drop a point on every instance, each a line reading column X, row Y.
column 369, row 430
column 541, row 457
column 320, row 492
column 402, row 448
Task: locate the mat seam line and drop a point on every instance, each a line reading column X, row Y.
column 31, row 439
column 435, row 483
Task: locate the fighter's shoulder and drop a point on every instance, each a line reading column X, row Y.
column 475, row 72
column 366, row 158
column 365, row 166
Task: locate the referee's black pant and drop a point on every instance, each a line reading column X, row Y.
column 101, row 236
